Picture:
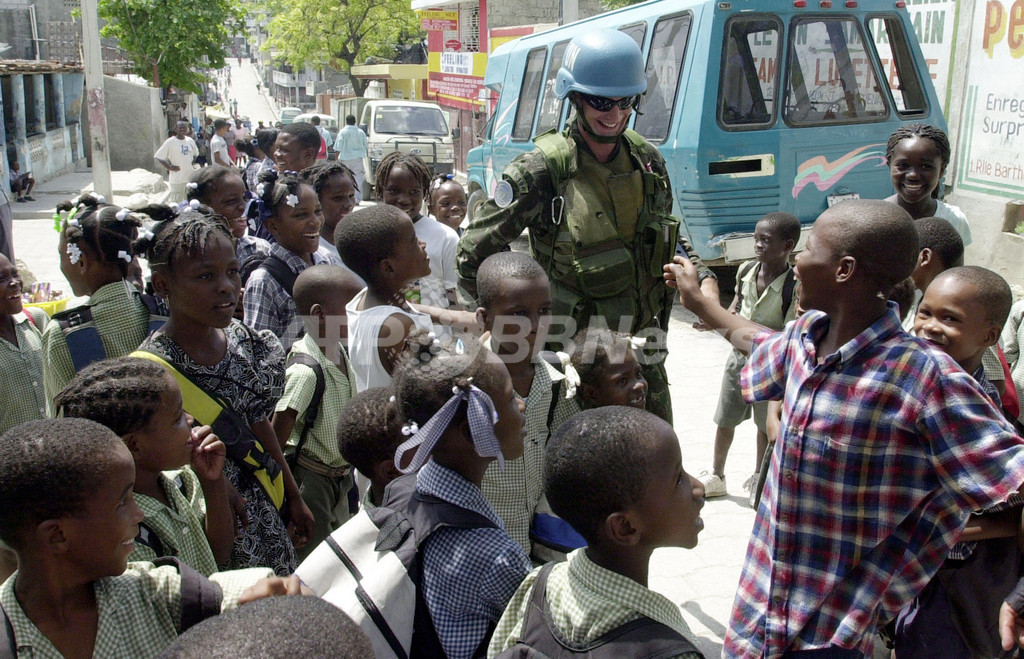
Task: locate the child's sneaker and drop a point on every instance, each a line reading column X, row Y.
column 714, row 485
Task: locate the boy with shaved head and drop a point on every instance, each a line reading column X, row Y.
column 886, row 445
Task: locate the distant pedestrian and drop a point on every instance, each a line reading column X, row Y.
column 218, row 144
column 21, row 183
column 177, row 154
column 351, row 148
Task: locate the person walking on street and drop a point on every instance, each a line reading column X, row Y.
column 351, row 148
column 598, row 203
column 177, row 154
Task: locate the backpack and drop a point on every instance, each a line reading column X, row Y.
column 539, row 638
column 84, row 343
column 200, row 599
column 313, row 409
column 788, row 286
column 281, row 273
column 371, row 568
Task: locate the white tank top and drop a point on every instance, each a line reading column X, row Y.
column 363, row 330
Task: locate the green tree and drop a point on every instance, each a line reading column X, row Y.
column 618, row 4
column 339, row 33
column 170, row 41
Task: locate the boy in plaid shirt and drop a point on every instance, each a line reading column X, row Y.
column 66, row 508
column 886, row 444
column 624, row 514
column 323, row 476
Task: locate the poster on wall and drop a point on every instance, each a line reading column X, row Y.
column 992, row 134
column 935, row 26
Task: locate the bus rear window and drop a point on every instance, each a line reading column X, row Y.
column 749, row 80
column 664, row 66
column 530, row 91
column 898, row 68
column 831, row 75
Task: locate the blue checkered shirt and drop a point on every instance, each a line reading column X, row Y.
column 469, row 575
column 885, row 446
column 268, row 306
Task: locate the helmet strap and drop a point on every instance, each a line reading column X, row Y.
column 581, row 121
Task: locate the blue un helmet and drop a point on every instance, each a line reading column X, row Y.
column 604, row 63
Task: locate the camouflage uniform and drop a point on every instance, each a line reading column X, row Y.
column 607, row 268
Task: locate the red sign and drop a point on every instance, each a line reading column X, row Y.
column 461, row 91
column 438, row 25
column 453, row 44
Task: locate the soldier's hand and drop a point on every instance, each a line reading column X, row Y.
column 682, row 276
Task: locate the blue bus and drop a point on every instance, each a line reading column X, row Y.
column 756, row 105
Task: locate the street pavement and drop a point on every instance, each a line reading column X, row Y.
column 252, row 103
column 701, row 581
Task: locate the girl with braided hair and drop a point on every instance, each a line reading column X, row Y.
column 95, row 253
column 196, row 271
column 335, row 187
column 918, row 155
column 141, row 402
column 223, row 191
column 289, row 209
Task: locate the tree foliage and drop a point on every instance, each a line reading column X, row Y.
column 618, row 4
column 339, row 33
column 170, row 41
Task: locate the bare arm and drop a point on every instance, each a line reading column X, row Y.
column 208, row 464
column 283, row 422
column 682, row 275
column 167, row 164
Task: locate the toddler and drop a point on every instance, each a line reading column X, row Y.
column 447, row 201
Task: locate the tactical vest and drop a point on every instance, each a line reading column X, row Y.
column 597, row 269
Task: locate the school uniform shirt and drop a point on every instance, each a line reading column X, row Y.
column 363, row 330
column 468, row 574
column 299, row 385
column 139, row 611
column 587, row 601
column 21, row 371
column 514, row 492
column 248, row 246
column 442, row 243
column 179, row 527
column 122, row 321
column 269, row 306
column 765, row 309
column 181, row 153
column 885, row 446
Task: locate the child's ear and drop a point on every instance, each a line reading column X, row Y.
column 992, row 335
column 160, row 286
column 846, row 269
column 317, row 311
column 924, row 259
column 483, row 318
column 132, row 442
column 621, row 529
column 51, row 538
column 790, row 245
column 271, row 224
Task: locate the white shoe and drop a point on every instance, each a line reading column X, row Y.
column 714, row 485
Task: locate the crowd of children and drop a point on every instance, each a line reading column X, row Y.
column 207, row 426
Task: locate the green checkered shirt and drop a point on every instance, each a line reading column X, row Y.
column 21, row 371
column 121, row 319
column 339, row 386
column 139, row 611
column 587, row 601
column 180, row 528
column 514, row 492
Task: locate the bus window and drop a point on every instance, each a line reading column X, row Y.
column 551, row 105
column 664, row 66
column 637, row 31
column 898, row 65
column 532, row 78
column 749, row 74
column 831, row 75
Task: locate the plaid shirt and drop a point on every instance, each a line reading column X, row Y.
column 300, row 382
column 468, row 574
column 885, row 447
column 139, row 611
column 179, row 527
column 248, row 246
column 587, row 601
column 21, row 371
column 269, row 306
column 121, row 319
column 514, row 492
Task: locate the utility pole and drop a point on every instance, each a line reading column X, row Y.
column 95, row 102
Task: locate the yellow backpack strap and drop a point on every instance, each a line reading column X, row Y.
column 239, row 439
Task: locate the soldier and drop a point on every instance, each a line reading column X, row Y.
column 598, row 203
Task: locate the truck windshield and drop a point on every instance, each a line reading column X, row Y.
column 409, row 120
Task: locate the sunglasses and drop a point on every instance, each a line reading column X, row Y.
column 602, row 104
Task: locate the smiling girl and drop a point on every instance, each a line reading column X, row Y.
column 21, row 353
column 291, row 213
column 918, row 155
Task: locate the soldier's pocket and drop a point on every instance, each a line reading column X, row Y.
column 605, row 272
column 659, row 241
